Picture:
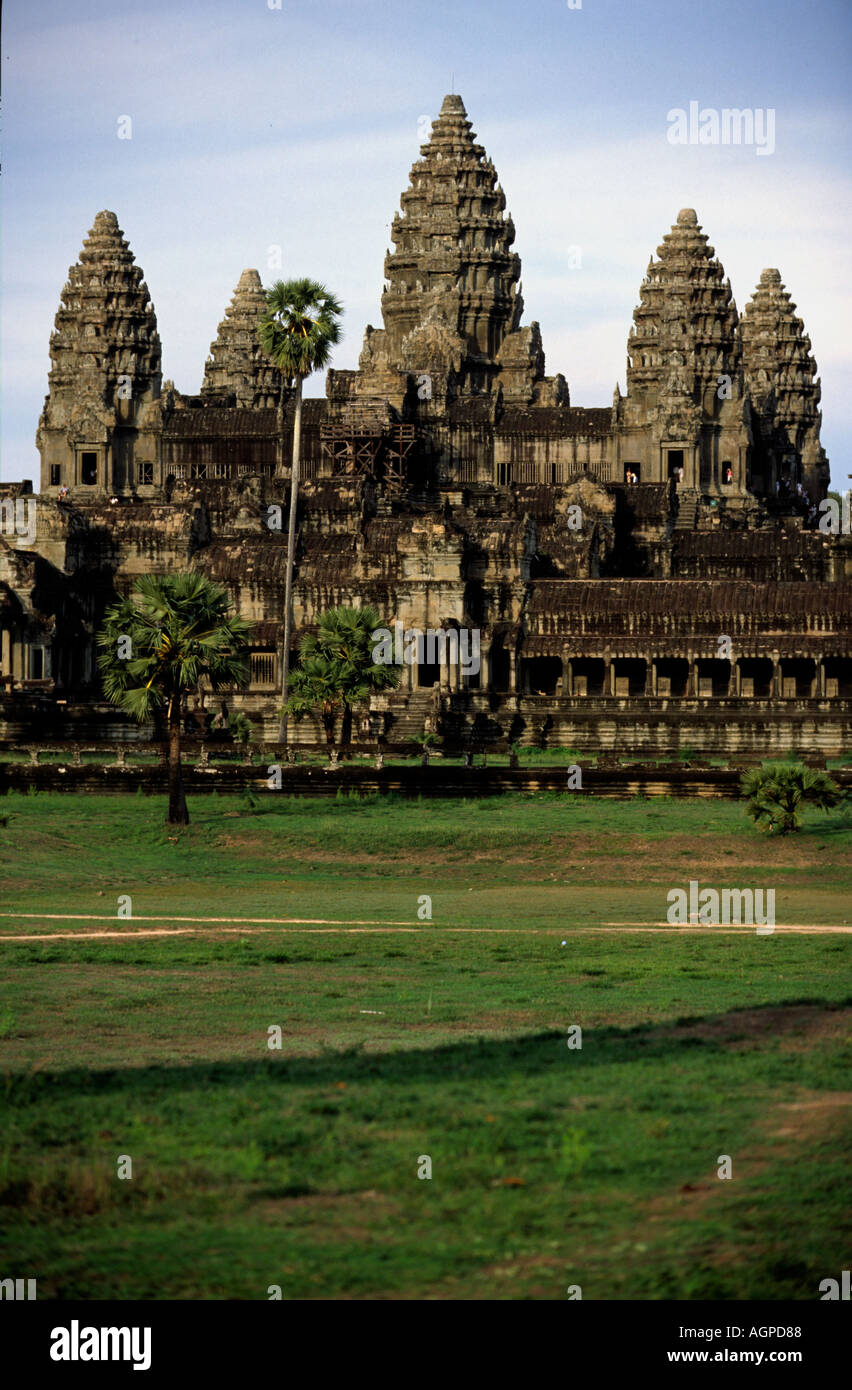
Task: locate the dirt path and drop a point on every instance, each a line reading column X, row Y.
column 225, row 926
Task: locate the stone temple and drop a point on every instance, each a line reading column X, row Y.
column 645, row 576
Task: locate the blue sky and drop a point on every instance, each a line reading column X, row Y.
column 255, row 127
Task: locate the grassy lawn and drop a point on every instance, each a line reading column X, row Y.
column 551, row 1165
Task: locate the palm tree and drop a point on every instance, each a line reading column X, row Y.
column 158, row 642
column 336, row 669
column 297, row 333
column 778, row 792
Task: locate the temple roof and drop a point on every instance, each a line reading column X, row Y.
column 684, row 332
column 237, row 366
column 452, row 263
column 780, row 371
column 561, row 421
column 105, row 327
column 214, row 422
column 653, row 605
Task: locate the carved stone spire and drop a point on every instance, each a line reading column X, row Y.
column 452, row 272
column 105, row 376
column 237, row 368
column 105, row 326
column 781, row 379
column 686, row 320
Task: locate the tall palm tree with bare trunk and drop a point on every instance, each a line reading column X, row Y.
column 297, row 332
column 156, row 645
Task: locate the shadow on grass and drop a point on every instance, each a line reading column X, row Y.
column 474, row 1059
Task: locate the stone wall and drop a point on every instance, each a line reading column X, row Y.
column 436, row 780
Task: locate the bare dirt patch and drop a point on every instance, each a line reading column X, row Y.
column 798, row 1025
column 802, row 1120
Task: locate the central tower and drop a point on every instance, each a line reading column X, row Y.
column 453, row 260
column 451, row 305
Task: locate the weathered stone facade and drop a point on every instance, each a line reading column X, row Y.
column 452, row 484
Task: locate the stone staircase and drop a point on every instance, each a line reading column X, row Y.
column 409, row 716
column 687, row 509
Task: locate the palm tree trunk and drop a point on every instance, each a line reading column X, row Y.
column 291, row 550
column 178, row 814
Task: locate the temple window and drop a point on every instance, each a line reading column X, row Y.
column 588, row 673
column 628, row 676
column 88, row 468
column 540, row 675
column 428, row 674
column 145, row 474
column 55, row 474
column 838, row 677
column 714, row 679
column 672, row 677
column 797, row 678
column 499, row 665
column 755, row 678
column 264, row 670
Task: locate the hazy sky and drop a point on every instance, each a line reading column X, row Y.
column 255, row 126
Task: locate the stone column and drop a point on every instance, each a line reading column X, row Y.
column 820, row 678
column 445, row 669
column 6, row 667
column 454, row 674
column 513, row 671
column 567, row 676
column 690, row 468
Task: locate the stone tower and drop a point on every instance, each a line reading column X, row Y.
column 685, row 397
column 99, row 429
column 452, row 305
column 237, row 371
column 781, row 380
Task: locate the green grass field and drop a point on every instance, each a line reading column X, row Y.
column 552, row 1166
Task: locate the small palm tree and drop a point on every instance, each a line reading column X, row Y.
column 297, row 333
column 778, row 792
column 158, row 643
column 240, row 728
column 336, row 669
column 422, row 744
